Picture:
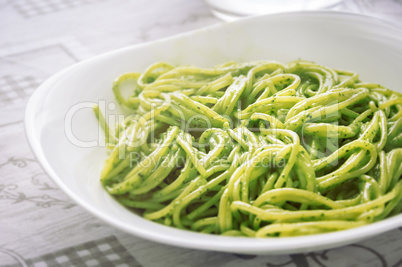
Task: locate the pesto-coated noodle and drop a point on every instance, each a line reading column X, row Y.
column 255, row 149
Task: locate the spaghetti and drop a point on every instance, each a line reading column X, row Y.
column 255, row 149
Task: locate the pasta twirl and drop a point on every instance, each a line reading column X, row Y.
column 255, row 149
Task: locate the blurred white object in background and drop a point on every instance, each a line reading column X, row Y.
column 234, row 9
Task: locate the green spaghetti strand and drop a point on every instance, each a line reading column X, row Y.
column 257, row 149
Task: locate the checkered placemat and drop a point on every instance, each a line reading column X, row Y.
column 102, row 252
column 32, row 8
column 13, row 88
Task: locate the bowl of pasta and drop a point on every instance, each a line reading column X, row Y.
column 269, row 135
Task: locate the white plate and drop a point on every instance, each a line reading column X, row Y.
column 363, row 44
column 230, row 10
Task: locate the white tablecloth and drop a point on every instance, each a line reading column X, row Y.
column 39, row 224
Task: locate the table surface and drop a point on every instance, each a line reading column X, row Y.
column 40, row 225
